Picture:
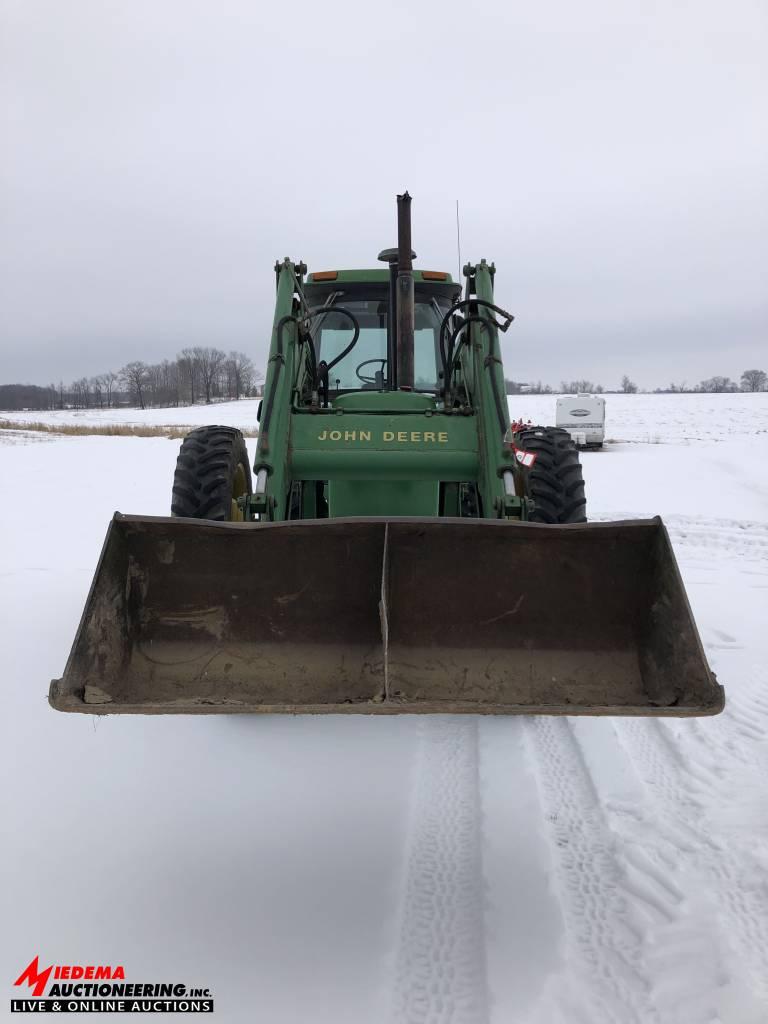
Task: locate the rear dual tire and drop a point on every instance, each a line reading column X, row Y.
column 212, row 472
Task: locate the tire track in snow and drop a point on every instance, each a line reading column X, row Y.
column 523, row 920
column 739, row 736
column 710, row 774
column 644, row 940
column 604, row 939
column 440, row 973
column 712, row 823
column 740, row 538
column 686, row 955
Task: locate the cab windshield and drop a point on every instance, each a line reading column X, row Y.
column 366, row 367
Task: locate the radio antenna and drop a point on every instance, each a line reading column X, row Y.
column 458, row 237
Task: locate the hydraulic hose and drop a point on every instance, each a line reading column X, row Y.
column 279, row 359
column 356, row 329
column 444, row 355
column 322, row 369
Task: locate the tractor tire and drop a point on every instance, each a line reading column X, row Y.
column 555, row 481
column 212, row 472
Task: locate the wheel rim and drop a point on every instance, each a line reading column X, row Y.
column 239, row 490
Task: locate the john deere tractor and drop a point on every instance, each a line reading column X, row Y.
column 398, row 548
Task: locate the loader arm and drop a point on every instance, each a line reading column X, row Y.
column 286, row 363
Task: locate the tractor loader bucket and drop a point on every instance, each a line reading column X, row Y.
column 387, row 616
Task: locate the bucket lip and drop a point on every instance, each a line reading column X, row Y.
column 72, row 702
column 651, row 523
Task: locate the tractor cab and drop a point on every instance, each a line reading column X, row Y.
column 370, row 363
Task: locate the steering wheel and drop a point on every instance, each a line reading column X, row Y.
column 368, row 378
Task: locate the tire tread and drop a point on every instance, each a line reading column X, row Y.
column 205, row 472
column 555, row 482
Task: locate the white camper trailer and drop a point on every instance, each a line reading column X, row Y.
column 583, row 416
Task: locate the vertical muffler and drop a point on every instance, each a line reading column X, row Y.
column 405, row 301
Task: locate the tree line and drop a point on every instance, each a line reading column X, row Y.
column 200, row 374
column 209, row 374
column 751, row 380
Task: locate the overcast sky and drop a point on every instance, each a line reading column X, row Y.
column 610, row 157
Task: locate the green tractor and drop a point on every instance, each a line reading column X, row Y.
column 399, row 547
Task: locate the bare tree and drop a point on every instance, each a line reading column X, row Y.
column 135, row 379
column 108, row 382
column 717, row 385
column 153, row 386
column 81, row 392
column 754, row 380
column 97, row 389
column 171, row 382
column 580, row 387
column 210, row 362
column 161, row 384
column 239, row 372
column 256, row 382
column 627, row 386
column 189, row 372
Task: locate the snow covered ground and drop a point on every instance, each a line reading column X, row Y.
column 506, row 871
column 242, row 414
column 648, row 419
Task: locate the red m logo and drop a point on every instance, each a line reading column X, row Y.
column 35, row 978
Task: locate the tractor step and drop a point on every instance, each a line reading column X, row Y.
column 379, row 616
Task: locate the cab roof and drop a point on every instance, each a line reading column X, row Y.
column 375, row 276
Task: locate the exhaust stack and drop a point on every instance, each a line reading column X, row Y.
column 405, row 297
